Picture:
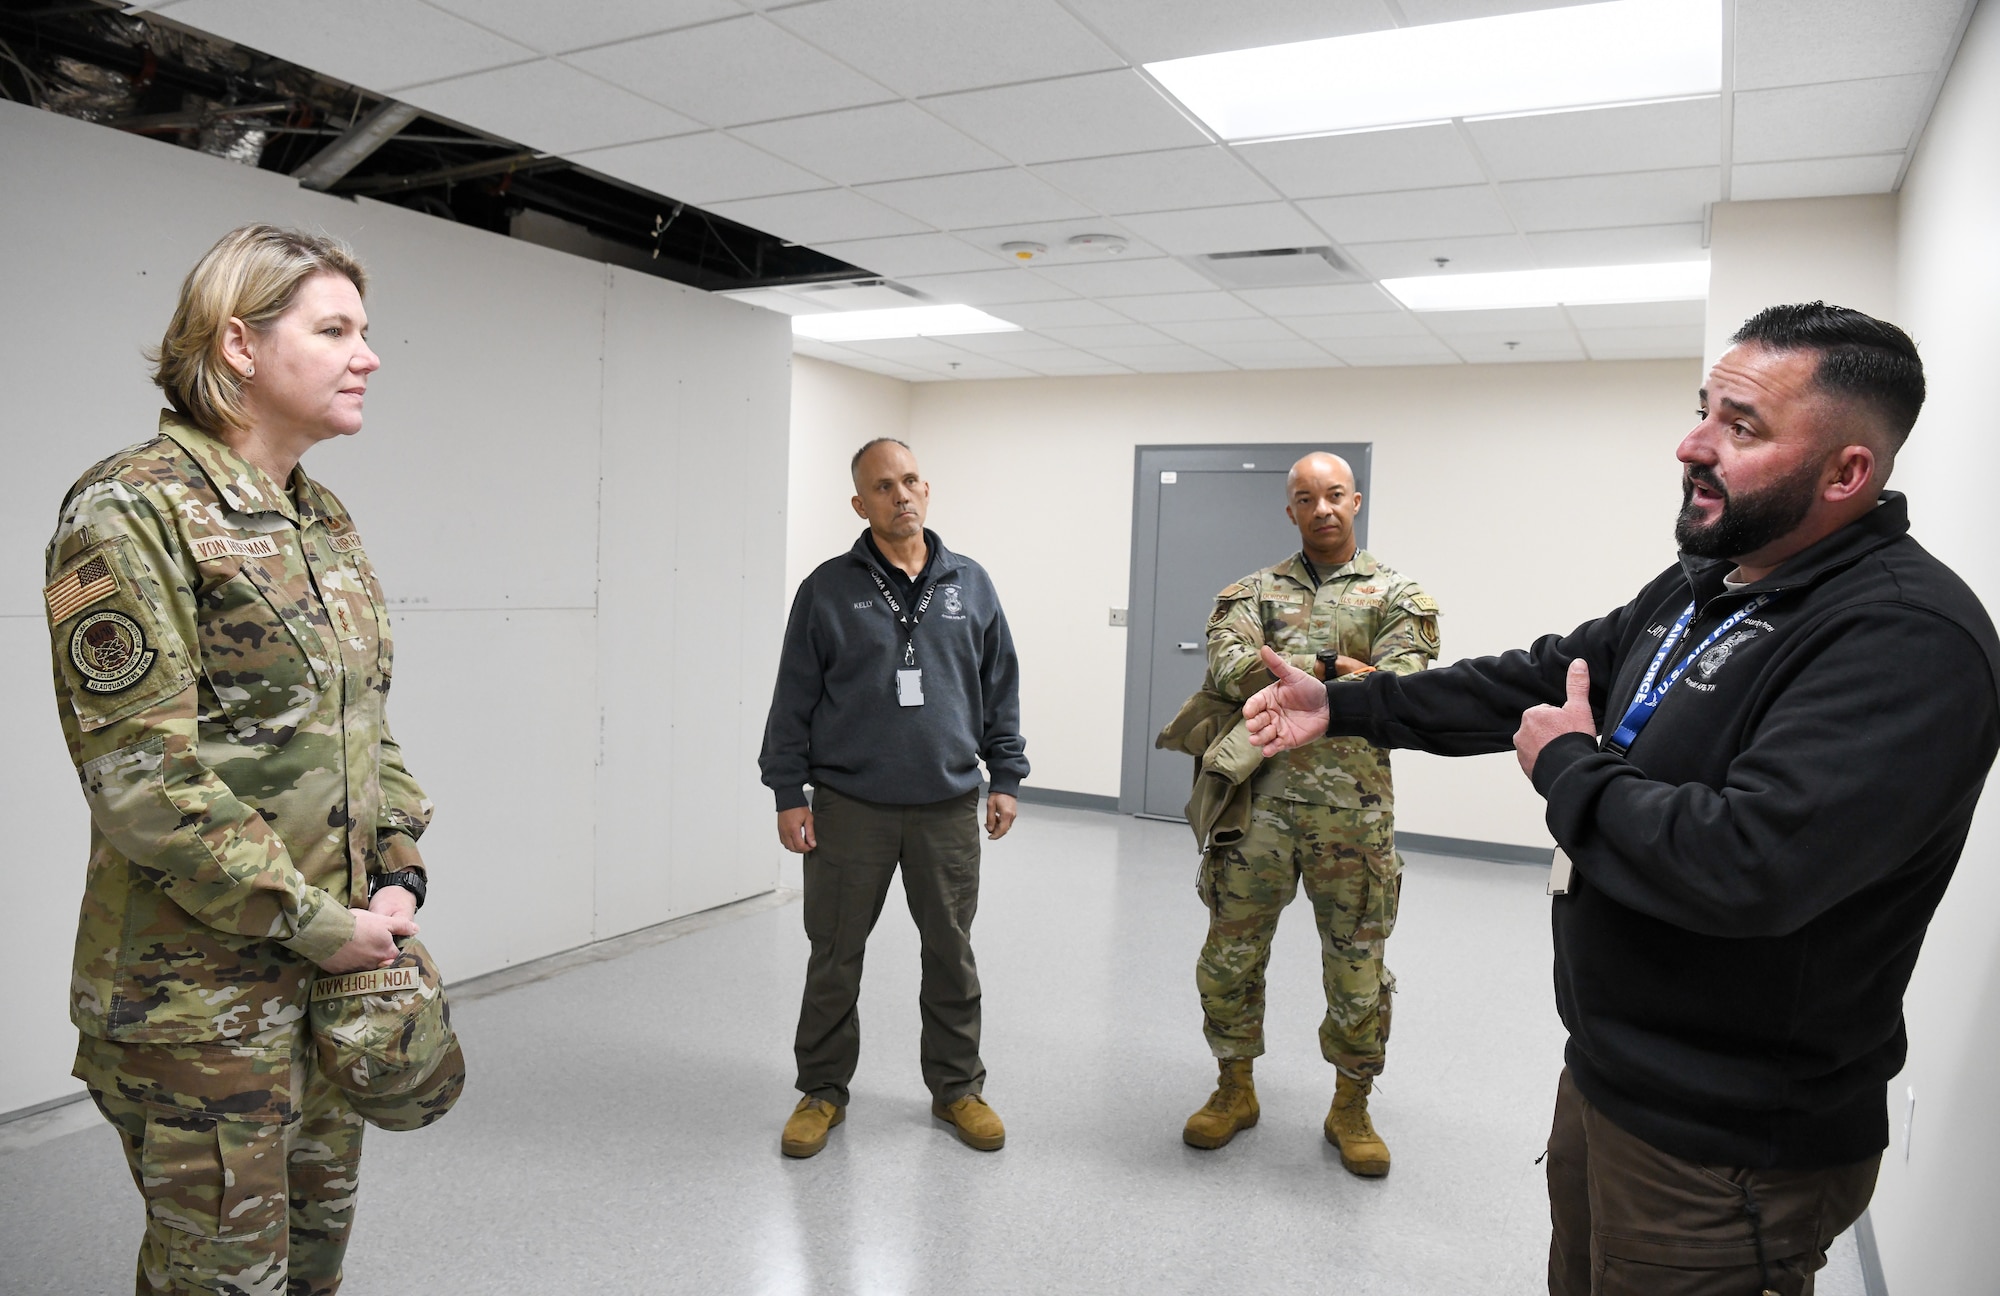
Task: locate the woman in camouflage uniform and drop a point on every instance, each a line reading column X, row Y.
column 222, row 656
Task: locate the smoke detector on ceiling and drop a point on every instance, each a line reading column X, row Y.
column 1024, row 251
column 1100, row 244
column 1277, row 268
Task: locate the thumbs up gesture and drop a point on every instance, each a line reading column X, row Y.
column 1544, row 724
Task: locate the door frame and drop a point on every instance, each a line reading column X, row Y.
column 1148, row 462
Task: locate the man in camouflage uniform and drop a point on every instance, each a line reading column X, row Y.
column 222, row 657
column 1322, row 814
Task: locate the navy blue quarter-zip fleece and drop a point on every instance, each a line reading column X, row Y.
column 835, row 721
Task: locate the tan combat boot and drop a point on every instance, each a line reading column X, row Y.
column 976, row 1124
column 1232, row 1107
column 805, row 1132
column 1348, row 1128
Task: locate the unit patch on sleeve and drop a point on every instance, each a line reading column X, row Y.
column 77, row 590
column 110, row 652
column 211, row 547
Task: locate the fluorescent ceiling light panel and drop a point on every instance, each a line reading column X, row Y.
column 1582, row 56
column 1585, row 285
column 900, row 322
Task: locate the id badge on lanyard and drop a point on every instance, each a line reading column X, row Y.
column 909, row 676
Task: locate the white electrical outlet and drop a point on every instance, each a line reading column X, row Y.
column 1909, row 1117
column 1118, row 616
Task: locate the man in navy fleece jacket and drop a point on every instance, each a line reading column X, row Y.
column 897, row 679
column 1760, row 774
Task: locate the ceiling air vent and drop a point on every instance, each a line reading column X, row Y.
column 1277, row 268
column 858, row 294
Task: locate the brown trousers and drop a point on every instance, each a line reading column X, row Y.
column 1631, row 1220
column 847, row 878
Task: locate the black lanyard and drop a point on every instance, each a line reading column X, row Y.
column 908, row 622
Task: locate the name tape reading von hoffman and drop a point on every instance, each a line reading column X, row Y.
column 374, row 982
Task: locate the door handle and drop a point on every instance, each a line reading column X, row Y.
column 1188, row 647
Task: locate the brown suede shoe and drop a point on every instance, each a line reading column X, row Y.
column 1348, row 1128
column 976, row 1124
column 1232, row 1107
column 805, row 1132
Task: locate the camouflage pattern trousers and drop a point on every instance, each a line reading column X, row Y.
column 246, row 1158
column 1347, row 860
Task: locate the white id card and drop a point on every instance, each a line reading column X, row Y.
column 909, row 688
column 1560, row 870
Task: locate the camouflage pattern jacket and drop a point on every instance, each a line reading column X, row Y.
column 222, row 656
column 1364, row 609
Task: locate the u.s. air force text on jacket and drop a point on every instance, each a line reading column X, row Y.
column 1363, row 609
column 222, row 657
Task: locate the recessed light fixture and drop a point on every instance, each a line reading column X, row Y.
column 900, row 322
column 1579, row 286
column 1591, row 55
column 1102, row 244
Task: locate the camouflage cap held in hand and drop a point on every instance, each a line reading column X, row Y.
column 384, row 1036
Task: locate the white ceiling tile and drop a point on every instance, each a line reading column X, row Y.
column 1081, row 116
column 1798, row 42
column 1424, row 12
column 702, row 169
column 549, row 106
column 1495, row 348
column 1149, row 30
column 1203, row 332
column 1462, row 255
column 989, row 288
column 912, row 254
column 821, row 350
column 977, row 198
column 1171, row 358
column 1840, row 120
column 921, row 47
column 967, row 365
column 384, row 45
column 1382, row 324
column 1683, row 341
column 727, row 73
column 1136, row 182
column 887, row 368
column 555, row 29
column 1045, row 315
column 1227, row 229
column 1619, row 315
column 1593, row 202
column 892, row 141
column 1066, row 361
column 907, row 350
column 1168, row 308
column 1121, row 277
column 1294, row 354
column 1055, row 236
column 1003, row 345
column 1647, row 137
column 1815, row 177
column 825, row 216
column 1419, row 157
column 1094, row 336
column 1416, row 213
column 1628, row 245
column 1364, row 351
column 1331, row 299
column 1452, row 325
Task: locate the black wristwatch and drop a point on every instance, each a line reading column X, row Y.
column 411, row 880
column 1329, row 663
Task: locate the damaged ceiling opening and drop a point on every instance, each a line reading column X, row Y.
column 144, row 74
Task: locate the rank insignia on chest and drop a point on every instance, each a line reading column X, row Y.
column 343, row 618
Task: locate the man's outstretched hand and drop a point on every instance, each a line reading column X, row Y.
column 1288, row 714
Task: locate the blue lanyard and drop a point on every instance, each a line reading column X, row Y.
column 1648, row 698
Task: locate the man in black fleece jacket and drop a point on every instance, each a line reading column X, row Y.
column 1796, row 722
column 897, row 678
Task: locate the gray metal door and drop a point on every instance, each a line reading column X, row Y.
column 1203, row 516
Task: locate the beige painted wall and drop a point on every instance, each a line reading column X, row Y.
column 1838, row 250
column 1934, row 1210
column 1526, row 497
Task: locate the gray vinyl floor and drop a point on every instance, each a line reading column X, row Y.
column 620, row 1129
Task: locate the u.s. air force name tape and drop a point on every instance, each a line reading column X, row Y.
column 377, row 981
column 207, row 547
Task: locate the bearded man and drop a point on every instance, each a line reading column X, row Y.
column 1760, row 774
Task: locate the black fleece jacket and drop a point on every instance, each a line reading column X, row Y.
column 1754, row 878
column 835, row 721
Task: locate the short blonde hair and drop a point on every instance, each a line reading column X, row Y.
column 252, row 274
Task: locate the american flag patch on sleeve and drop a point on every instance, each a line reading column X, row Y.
column 80, row 588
